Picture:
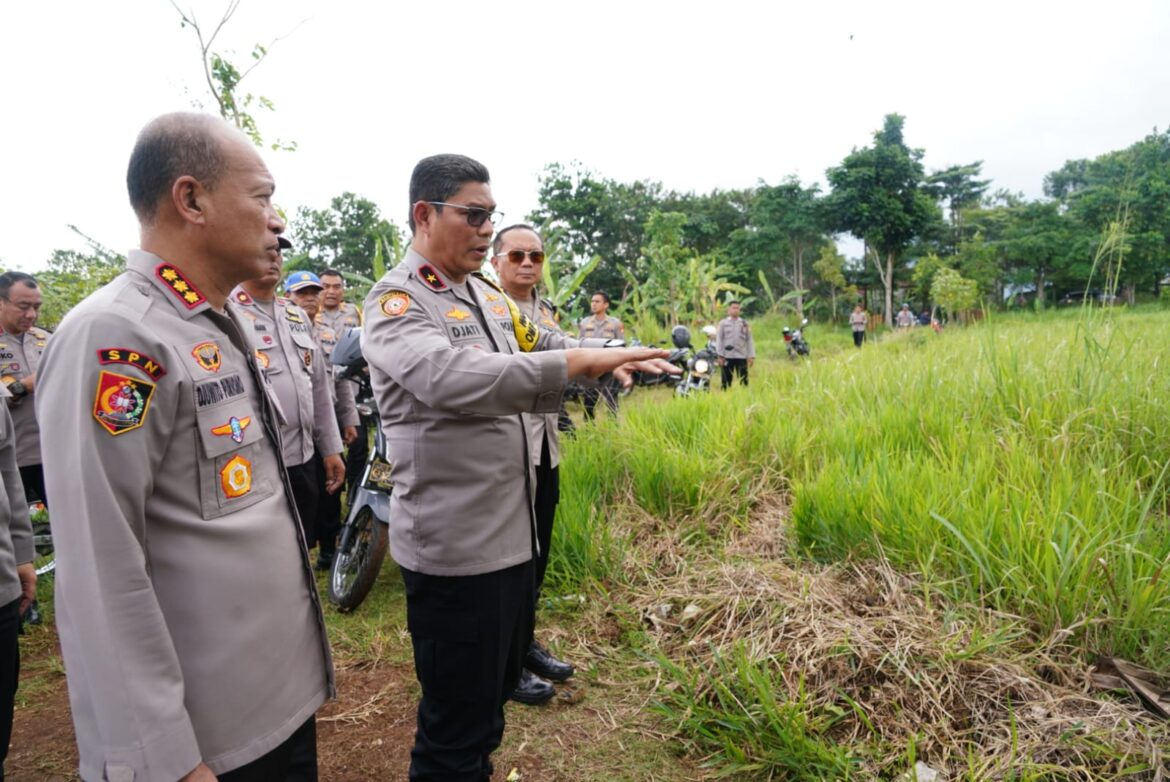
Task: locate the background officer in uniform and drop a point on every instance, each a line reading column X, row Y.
column 455, row 368
column 295, row 367
column 734, row 349
column 21, row 346
column 518, row 258
column 190, row 624
column 335, row 316
column 304, row 288
column 600, row 325
column 18, row 578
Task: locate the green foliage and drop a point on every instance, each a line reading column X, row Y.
column 224, row 78
column 72, row 275
column 343, row 236
column 954, row 293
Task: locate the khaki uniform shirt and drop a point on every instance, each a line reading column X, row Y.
column 16, row 543
column 543, row 425
column 336, row 321
column 344, row 391
column 733, row 339
column 20, row 356
column 282, row 335
column 451, row 383
column 607, row 328
column 187, row 609
column 858, row 320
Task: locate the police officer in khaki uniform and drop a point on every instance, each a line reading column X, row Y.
column 21, row 346
column 735, row 350
column 190, row 624
column 304, row 288
column 600, row 325
column 294, row 365
column 456, row 369
column 335, row 316
column 518, row 258
column 18, row 578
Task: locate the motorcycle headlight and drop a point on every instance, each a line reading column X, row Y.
column 702, row 366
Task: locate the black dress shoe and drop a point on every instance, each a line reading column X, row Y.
column 540, row 662
column 532, row 689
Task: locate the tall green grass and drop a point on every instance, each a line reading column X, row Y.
column 1022, row 461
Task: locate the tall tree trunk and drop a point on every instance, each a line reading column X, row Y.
column 798, row 280
column 887, row 278
column 1040, row 289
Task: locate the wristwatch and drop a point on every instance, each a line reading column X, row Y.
column 17, row 388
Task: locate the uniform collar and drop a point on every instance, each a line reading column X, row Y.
column 168, row 278
column 427, row 273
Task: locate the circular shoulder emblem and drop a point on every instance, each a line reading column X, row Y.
column 394, row 303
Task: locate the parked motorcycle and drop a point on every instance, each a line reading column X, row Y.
column 362, row 542
column 678, row 357
column 696, row 376
column 794, row 340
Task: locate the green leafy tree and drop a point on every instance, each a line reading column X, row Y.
column 224, row 77
column 878, row 196
column 1038, row 243
column 343, row 236
column 954, row 293
column 958, row 188
column 72, row 275
column 830, row 267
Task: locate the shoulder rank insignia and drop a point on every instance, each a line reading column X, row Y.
column 394, row 303
column 133, row 358
column 457, row 314
column 179, row 285
column 236, row 477
column 207, row 356
column 234, row 427
column 242, row 297
column 121, row 402
column 431, row 278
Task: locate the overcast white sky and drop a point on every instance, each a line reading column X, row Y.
column 697, row 95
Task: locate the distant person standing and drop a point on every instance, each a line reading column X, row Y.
column 858, row 322
column 335, row 316
column 21, row 346
column 905, row 318
column 601, row 325
column 734, row 349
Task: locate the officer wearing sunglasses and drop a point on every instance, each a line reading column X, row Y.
column 457, row 368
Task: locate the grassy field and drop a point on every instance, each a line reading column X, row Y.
column 1007, row 479
column 865, row 562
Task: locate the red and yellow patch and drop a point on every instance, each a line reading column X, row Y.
column 427, row 274
column 457, row 314
column 133, row 358
column 243, row 298
column 236, row 477
column 394, row 303
column 121, row 402
column 179, row 285
column 207, row 356
column 234, row 428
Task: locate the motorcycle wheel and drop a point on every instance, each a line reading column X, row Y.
column 356, row 568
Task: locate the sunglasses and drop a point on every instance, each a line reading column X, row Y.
column 517, row 256
column 476, row 215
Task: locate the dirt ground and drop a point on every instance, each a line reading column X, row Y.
column 365, row 734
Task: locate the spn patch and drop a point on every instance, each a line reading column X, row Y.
column 234, row 428
column 132, row 358
column 215, row 391
column 207, row 356
column 394, row 303
column 431, row 277
column 457, row 314
column 179, row 285
column 121, row 402
column 236, row 477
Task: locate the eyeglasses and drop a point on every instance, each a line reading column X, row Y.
column 476, row 215
column 517, row 256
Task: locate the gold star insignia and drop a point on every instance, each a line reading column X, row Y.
column 180, row 286
column 169, row 275
column 432, row 278
column 191, row 296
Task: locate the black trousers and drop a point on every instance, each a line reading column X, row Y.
column 33, row 478
column 355, row 457
column 307, row 494
column 469, row 634
column 295, row 760
column 606, row 389
column 9, row 673
column 858, row 338
column 736, row 366
column 548, row 494
column 328, row 512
